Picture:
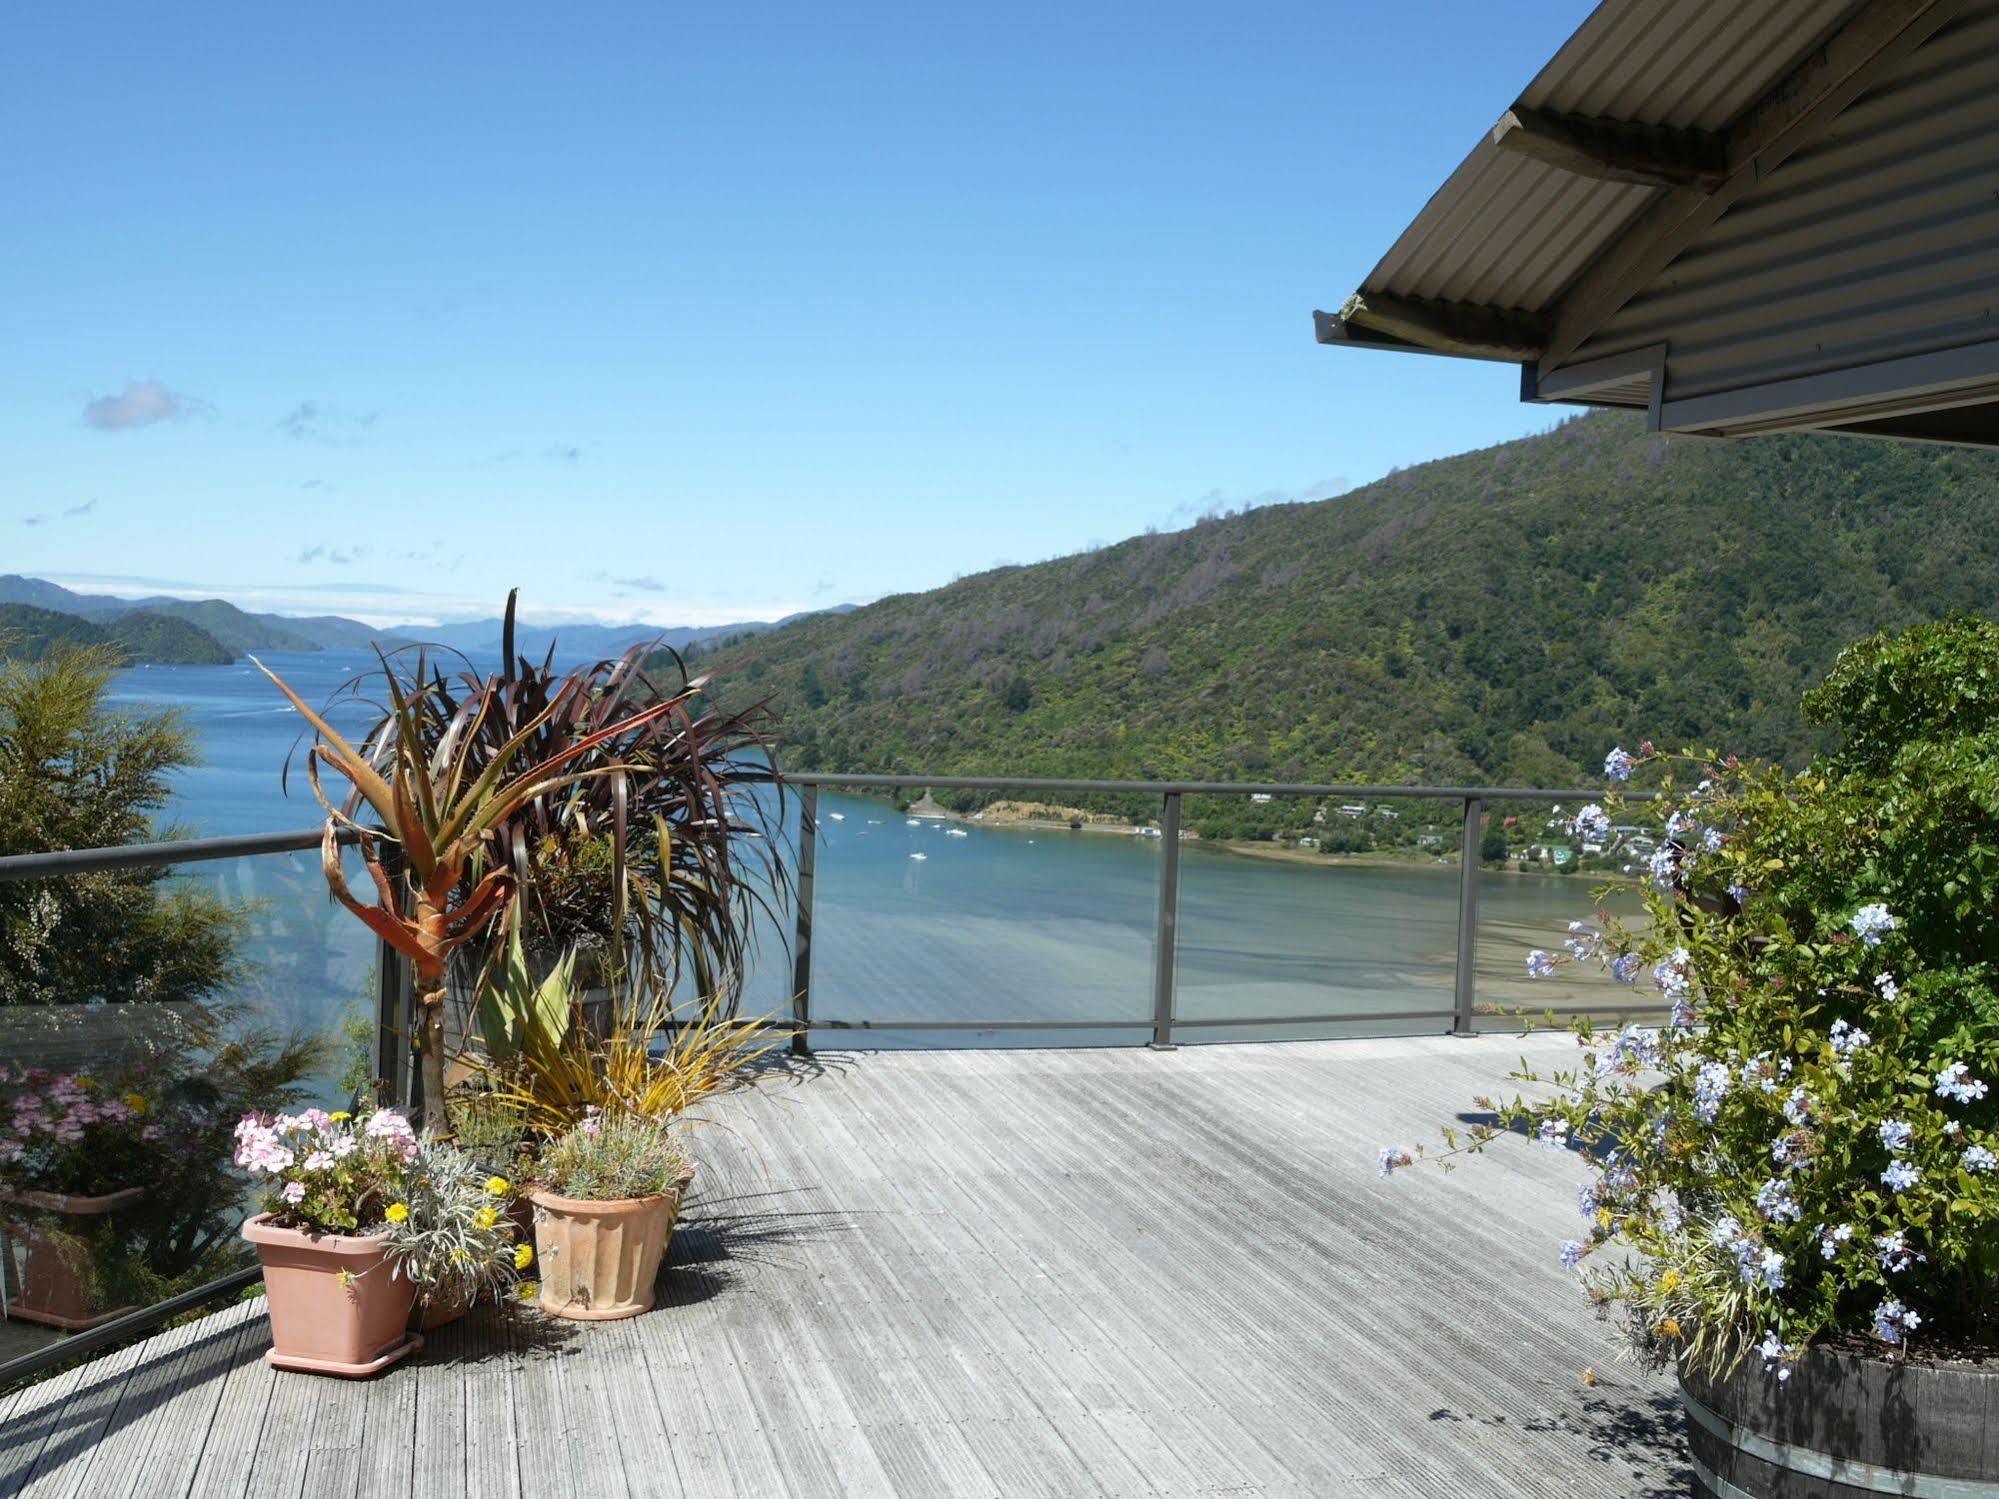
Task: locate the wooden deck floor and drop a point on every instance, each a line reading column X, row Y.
column 981, row 1273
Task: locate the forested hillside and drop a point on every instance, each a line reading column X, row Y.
column 28, row 633
column 1500, row 616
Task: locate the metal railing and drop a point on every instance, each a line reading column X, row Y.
column 395, row 1063
column 1164, row 1018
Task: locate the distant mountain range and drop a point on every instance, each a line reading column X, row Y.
column 237, row 631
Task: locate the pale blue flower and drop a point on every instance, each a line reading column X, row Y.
column 1956, row 1082
column 1540, row 963
column 1900, row 1176
column 1392, row 1158
column 1831, row 1238
column 1889, row 989
column 1847, row 1039
column 1977, row 1158
column 1777, row 1354
column 1893, row 1254
column 1572, row 1253
column 1893, row 1322
column 1775, row 1202
column 1870, row 921
column 1625, row 967
column 1552, row 1133
column 1617, row 765
column 1896, row 1133
column 1711, row 1086
column 1592, row 824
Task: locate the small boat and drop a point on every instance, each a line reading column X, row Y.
column 837, row 816
column 914, row 823
column 956, row 833
column 919, row 857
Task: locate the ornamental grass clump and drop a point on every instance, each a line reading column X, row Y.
column 1808, row 1150
column 610, row 1158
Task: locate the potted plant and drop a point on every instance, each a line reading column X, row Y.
column 334, row 1186
column 457, row 1241
column 1799, row 1172
column 72, row 1152
column 605, row 1199
column 651, row 865
column 440, row 793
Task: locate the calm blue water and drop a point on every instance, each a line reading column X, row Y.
column 990, row 924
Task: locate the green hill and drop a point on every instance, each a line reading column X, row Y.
column 29, row 633
column 236, row 629
column 1503, row 616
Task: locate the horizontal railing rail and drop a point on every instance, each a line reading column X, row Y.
column 1165, row 1020
column 69, row 861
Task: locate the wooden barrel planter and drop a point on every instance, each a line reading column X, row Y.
column 1845, row 1425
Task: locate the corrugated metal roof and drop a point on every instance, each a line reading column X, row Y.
column 1509, row 231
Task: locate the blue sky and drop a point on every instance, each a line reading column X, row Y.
column 701, row 313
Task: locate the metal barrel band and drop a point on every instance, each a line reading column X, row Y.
column 1815, row 1464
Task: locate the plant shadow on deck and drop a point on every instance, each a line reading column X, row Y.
column 725, row 1239
column 1642, row 1434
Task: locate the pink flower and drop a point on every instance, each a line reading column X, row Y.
column 294, row 1192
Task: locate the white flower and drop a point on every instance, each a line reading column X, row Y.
column 1776, row 1354
column 1831, row 1238
column 1893, row 1253
column 1847, row 1039
column 1889, row 989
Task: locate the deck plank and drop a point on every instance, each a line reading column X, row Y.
column 972, row 1273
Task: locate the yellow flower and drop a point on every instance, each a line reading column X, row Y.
column 1603, row 1217
column 136, row 1102
column 1670, row 1328
column 523, row 1256
column 398, row 1212
column 340, row 1116
column 529, row 1290
column 498, row 1186
column 1669, row 1281
column 486, row 1217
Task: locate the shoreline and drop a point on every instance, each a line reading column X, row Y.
column 1245, row 848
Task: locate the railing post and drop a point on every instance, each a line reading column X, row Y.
column 801, row 949
column 1165, row 937
column 1461, row 1022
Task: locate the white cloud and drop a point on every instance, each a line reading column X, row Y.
column 141, row 404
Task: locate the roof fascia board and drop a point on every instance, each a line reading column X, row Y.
column 1615, row 150
column 1915, row 382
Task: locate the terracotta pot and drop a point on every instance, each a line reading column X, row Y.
column 53, row 1287
column 324, row 1322
column 598, row 1260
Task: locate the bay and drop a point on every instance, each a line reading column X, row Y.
column 924, row 919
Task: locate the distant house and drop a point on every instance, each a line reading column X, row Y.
column 1558, row 854
column 1259, row 796
column 1352, row 809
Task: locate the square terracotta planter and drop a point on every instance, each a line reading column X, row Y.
column 337, row 1307
column 54, row 1285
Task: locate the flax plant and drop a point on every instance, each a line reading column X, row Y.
column 441, row 805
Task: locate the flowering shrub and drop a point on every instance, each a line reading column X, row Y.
column 67, row 1133
column 1807, row 1149
column 330, row 1173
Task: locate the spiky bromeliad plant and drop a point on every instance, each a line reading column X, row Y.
column 1808, row 1150
column 441, row 794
